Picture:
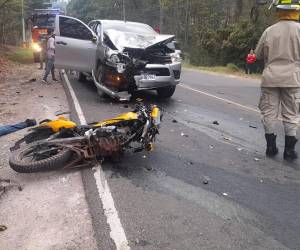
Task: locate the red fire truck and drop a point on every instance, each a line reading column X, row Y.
column 42, row 20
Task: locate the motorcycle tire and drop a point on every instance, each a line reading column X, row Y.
column 20, row 164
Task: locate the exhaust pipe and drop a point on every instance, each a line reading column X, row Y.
column 121, row 96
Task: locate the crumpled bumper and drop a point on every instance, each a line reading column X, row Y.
column 165, row 75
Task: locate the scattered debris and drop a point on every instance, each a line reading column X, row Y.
column 175, row 121
column 3, row 228
column 251, row 126
column 216, row 123
column 141, row 243
column 225, row 194
column 6, row 183
column 205, row 182
column 183, row 134
column 149, row 168
column 227, row 139
column 211, row 147
column 256, row 159
column 58, row 113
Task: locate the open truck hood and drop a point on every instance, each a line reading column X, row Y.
column 123, row 40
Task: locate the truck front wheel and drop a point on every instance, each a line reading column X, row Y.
column 166, row 92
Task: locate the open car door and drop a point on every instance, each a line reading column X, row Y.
column 75, row 45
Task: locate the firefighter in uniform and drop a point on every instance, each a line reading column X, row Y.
column 279, row 47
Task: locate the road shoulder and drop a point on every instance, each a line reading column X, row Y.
column 51, row 212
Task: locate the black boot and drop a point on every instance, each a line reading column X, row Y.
column 289, row 151
column 272, row 149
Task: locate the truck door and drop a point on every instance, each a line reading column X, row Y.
column 75, row 45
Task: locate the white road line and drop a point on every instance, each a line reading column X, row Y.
column 117, row 232
column 220, row 99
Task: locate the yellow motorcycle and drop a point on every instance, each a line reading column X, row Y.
column 61, row 143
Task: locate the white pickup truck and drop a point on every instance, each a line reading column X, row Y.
column 122, row 57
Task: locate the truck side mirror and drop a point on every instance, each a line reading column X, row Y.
column 94, row 39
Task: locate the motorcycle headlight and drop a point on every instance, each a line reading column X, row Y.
column 36, row 47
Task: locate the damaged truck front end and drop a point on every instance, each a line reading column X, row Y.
column 134, row 61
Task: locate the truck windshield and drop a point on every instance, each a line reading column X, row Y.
column 44, row 21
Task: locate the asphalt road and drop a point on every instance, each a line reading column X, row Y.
column 210, row 189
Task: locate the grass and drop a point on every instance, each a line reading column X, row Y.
column 20, row 55
column 230, row 69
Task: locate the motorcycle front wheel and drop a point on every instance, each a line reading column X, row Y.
column 37, row 157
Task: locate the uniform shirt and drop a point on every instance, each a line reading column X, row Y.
column 279, row 47
column 51, row 47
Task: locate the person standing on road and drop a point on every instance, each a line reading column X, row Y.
column 251, row 59
column 50, row 54
column 279, row 47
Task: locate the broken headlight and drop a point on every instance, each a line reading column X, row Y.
column 176, row 57
column 114, row 58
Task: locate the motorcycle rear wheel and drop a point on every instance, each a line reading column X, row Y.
column 32, row 158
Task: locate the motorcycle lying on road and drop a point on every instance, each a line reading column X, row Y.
column 61, row 144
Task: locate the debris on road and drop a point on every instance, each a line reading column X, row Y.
column 3, row 228
column 216, row 123
column 58, row 113
column 227, row 138
column 32, row 80
column 256, row 159
column 205, row 182
column 183, row 134
column 211, row 147
column 225, row 194
column 174, row 121
column 6, row 183
column 251, row 126
column 141, row 243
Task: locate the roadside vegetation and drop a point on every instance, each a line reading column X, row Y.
column 19, row 55
column 229, row 69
